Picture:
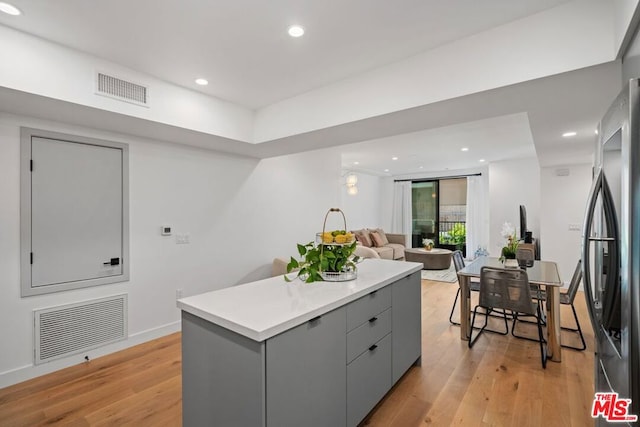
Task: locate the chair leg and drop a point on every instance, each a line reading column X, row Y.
column 453, row 309
column 472, row 340
column 516, row 320
column 506, row 324
column 578, row 329
column 543, row 353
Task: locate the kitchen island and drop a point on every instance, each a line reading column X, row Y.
column 271, row 353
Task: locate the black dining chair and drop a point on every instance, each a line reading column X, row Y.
column 567, row 298
column 507, row 289
column 474, row 285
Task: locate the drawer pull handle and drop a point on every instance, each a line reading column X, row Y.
column 373, row 347
column 315, row 319
column 373, row 319
column 373, row 294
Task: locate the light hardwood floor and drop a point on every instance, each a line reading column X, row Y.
column 499, row 382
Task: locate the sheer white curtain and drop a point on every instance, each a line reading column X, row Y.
column 477, row 215
column 401, row 218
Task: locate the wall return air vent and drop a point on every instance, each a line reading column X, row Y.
column 123, row 90
column 75, row 328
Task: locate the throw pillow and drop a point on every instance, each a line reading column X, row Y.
column 377, row 239
column 380, row 231
column 362, row 236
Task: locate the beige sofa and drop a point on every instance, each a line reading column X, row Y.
column 391, row 247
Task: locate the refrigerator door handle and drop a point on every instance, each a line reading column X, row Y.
column 612, row 288
column 586, row 249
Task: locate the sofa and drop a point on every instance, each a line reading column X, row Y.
column 375, row 243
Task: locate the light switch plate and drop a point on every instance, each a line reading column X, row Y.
column 183, row 238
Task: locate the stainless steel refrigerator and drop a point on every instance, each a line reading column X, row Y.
column 611, row 253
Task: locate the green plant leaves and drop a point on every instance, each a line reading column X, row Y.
column 301, row 249
column 321, row 258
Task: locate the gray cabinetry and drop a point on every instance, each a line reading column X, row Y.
column 368, row 380
column 370, row 332
column 222, row 376
column 363, row 309
column 328, row 371
column 306, row 373
column 406, row 323
column 368, row 352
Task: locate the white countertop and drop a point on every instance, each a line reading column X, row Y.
column 260, row 310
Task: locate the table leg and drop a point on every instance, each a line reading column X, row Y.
column 554, row 350
column 465, row 308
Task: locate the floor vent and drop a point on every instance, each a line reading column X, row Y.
column 74, row 328
column 114, row 87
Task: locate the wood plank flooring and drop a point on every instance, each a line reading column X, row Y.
column 499, row 382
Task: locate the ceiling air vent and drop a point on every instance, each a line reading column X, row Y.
column 123, row 90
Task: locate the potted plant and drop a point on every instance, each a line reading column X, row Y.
column 508, row 253
column 332, row 259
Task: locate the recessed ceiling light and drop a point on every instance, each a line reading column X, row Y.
column 596, row 131
column 296, row 31
column 394, row 158
column 482, row 160
column 421, row 167
column 356, row 163
column 569, row 134
column 464, row 149
column 9, row 9
column 386, row 170
column 202, row 82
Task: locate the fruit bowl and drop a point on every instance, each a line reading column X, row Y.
column 336, row 237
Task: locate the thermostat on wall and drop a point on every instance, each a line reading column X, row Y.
column 166, row 230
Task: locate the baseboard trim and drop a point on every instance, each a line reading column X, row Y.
column 28, row 372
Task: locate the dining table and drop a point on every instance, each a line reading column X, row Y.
column 543, row 273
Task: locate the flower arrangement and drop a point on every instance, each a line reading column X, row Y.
column 510, row 249
column 427, row 243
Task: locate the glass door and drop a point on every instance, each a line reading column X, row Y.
column 439, row 210
column 452, row 217
column 424, row 212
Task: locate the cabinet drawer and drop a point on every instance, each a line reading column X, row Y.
column 370, row 332
column 368, row 380
column 363, row 309
column 305, row 371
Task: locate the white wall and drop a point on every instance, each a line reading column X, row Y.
column 363, row 209
column 623, row 11
column 547, row 43
column 240, row 214
column 562, row 203
column 48, row 69
column 513, row 183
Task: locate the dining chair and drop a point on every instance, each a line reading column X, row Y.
column 507, row 289
column 567, row 298
column 526, row 257
column 474, row 285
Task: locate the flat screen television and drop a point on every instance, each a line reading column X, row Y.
column 523, row 222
